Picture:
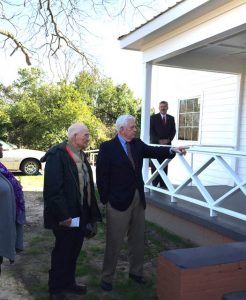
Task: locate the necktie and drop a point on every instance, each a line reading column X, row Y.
column 164, row 120
column 129, row 153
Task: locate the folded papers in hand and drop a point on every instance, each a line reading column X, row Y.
column 75, row 222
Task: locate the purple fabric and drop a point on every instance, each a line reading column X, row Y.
column 19, row 196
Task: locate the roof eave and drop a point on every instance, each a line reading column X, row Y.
column 172, row 18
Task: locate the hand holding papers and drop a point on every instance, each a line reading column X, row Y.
column 75, row 222
column 71, row 222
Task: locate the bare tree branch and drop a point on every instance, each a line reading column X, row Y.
column 42, row 29
column 18, row 45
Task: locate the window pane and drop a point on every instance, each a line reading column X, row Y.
column 195, row 134
column 181, row 134
column 190, row 105
column 188, row 134
column 182, row 106
column 196, row 119
column 182, row 120
column 197, row 106
column 188, row 120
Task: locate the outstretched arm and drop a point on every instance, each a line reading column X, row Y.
column 180, row 150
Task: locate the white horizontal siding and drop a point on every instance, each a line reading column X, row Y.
column 242, row 167
column 218, row 110
column 218, row 117
column 243, row 143
column 241, row 163
column 242, row 140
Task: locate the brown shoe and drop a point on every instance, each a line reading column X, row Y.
column 78, row 289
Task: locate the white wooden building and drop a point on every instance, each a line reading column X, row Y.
column 209, row 105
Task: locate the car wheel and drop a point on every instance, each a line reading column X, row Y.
column 30, row 167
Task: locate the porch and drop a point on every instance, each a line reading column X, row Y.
column 193, row 222
column 193, row 208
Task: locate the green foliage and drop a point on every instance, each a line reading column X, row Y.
column 114, row 101
column 4, row 117
column 29, row 79
column 107, row 100
column 88, row 85
column 37, row 114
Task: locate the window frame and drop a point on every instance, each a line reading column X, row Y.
column 189, row 97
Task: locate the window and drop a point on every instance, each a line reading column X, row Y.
column 189, row 115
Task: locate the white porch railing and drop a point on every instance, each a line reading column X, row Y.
column 213, row 154
column 92, row 156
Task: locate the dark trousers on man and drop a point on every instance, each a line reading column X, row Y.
column 64, row 256
column 158, row 179
column 1, row 261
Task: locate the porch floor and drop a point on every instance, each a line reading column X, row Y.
column 228, row 226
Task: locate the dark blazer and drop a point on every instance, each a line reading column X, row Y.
column 117, row 180
column 160, row 131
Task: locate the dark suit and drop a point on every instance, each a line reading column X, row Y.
column 121, row 186
column 160, row 131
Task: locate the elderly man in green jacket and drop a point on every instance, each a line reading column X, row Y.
column 69, row 207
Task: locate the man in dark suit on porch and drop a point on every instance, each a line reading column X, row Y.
column 121, row 188
column 162, row 131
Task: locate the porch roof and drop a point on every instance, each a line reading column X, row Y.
column 195, row 34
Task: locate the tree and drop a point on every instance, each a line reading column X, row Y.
column 4, row 117
column 107, row 100
column 46, row 28
column 42, row 113
column 37, row 114
column 88, row 84
column 114, row 101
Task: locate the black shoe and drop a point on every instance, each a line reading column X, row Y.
column 163, row 186
column 137, row 279
column 57, row 296
column 106, row 286
column 77, row 289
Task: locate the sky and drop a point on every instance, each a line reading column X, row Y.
column 123, row 66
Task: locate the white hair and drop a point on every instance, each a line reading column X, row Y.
column 122, row 121
column 75, row 129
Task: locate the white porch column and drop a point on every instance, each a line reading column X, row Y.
column 145, row 116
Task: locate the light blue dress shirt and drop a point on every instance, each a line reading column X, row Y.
column 123, row 143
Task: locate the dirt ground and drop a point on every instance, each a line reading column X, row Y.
column 12, row 286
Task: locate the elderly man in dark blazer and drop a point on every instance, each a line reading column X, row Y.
column 162, row 131
column 121, row 188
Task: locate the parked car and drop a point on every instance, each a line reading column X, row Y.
column 25, row 160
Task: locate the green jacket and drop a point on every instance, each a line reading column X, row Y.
column 61, row 190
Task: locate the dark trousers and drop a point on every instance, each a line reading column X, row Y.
column 68, row 244
column 1, row 261
column 158, row 178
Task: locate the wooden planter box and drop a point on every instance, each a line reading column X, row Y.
column 202, row 273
